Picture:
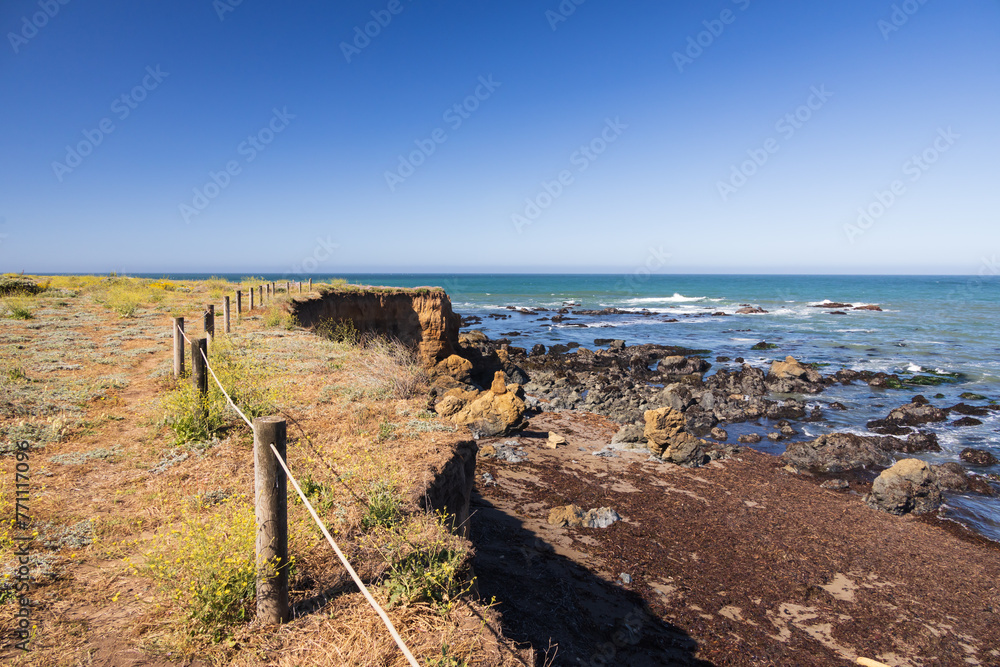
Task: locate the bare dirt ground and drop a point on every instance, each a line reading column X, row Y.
column 108, row 484
column 736, row 563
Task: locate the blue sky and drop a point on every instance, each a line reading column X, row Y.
column 721, row 136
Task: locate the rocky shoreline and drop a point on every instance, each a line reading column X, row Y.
column 662, row 397
column 610, row 470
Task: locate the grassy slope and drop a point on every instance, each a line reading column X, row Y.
column 84, row 379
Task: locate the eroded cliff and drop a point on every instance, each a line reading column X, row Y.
column 421, row 317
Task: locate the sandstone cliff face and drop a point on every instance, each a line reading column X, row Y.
column 421, row 317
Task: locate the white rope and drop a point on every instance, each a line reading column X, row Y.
column 238, row 411
column 347, row 566
column 326, row 533
column 216, row 378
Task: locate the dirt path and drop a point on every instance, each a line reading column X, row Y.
column 736, row 563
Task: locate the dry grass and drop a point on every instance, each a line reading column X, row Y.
column 78, row 381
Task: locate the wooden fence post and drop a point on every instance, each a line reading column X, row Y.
column 270, row 492
column 199, row 369
column 210, row 322
column 310, row 284
column 239, row 303
column 288, row 287
column 178, row 347
column 300, row 287
column 251, row 298
column 225, row 314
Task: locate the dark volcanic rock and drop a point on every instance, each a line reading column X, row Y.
column 750, row 438
column 967, row 421
column 922, row 441
column 969, row 410
column 837, row 452
column 833, row 304
column 978, row 457
column 764, row 345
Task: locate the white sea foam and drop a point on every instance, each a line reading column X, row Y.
column 914, row 368
column 676, row 298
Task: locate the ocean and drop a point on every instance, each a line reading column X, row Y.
column 928, row 325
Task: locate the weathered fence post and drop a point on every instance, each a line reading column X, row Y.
column 270, row 485
column 199, row 370
column 288, row 287
column 310, row 284
column 178, row 347
column 225, row 314
column 239, row 304
column 210, row 322
column 300, row 287
column 251, row 298
column 274, row 290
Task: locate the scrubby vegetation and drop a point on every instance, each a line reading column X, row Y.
column 161, row 478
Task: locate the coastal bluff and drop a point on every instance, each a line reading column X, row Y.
column 420, row 317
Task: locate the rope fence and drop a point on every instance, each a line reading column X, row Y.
column 270, row 489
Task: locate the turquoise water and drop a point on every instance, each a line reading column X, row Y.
column 928, row 323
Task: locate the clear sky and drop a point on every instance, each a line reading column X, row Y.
column 721, row 136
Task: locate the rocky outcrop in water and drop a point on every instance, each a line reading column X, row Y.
column 837, row 452
column 908, row 486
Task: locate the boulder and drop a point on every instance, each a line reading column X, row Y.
column 677, row 396
column 922, row 441
column 750, row 438
column 792, row 368
column 719, row 434
column 978, row 457
column 916, row 413
column 667, row 437
column 908, row 486
column 499, row 386
column 750, row 310
column 836, row 452
column 951, row 476
column 629, row 433
column 835, row 485
column 790, row 376
column 678, row 365
column 493, row 412
column 455, row 367
column 574, row 517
